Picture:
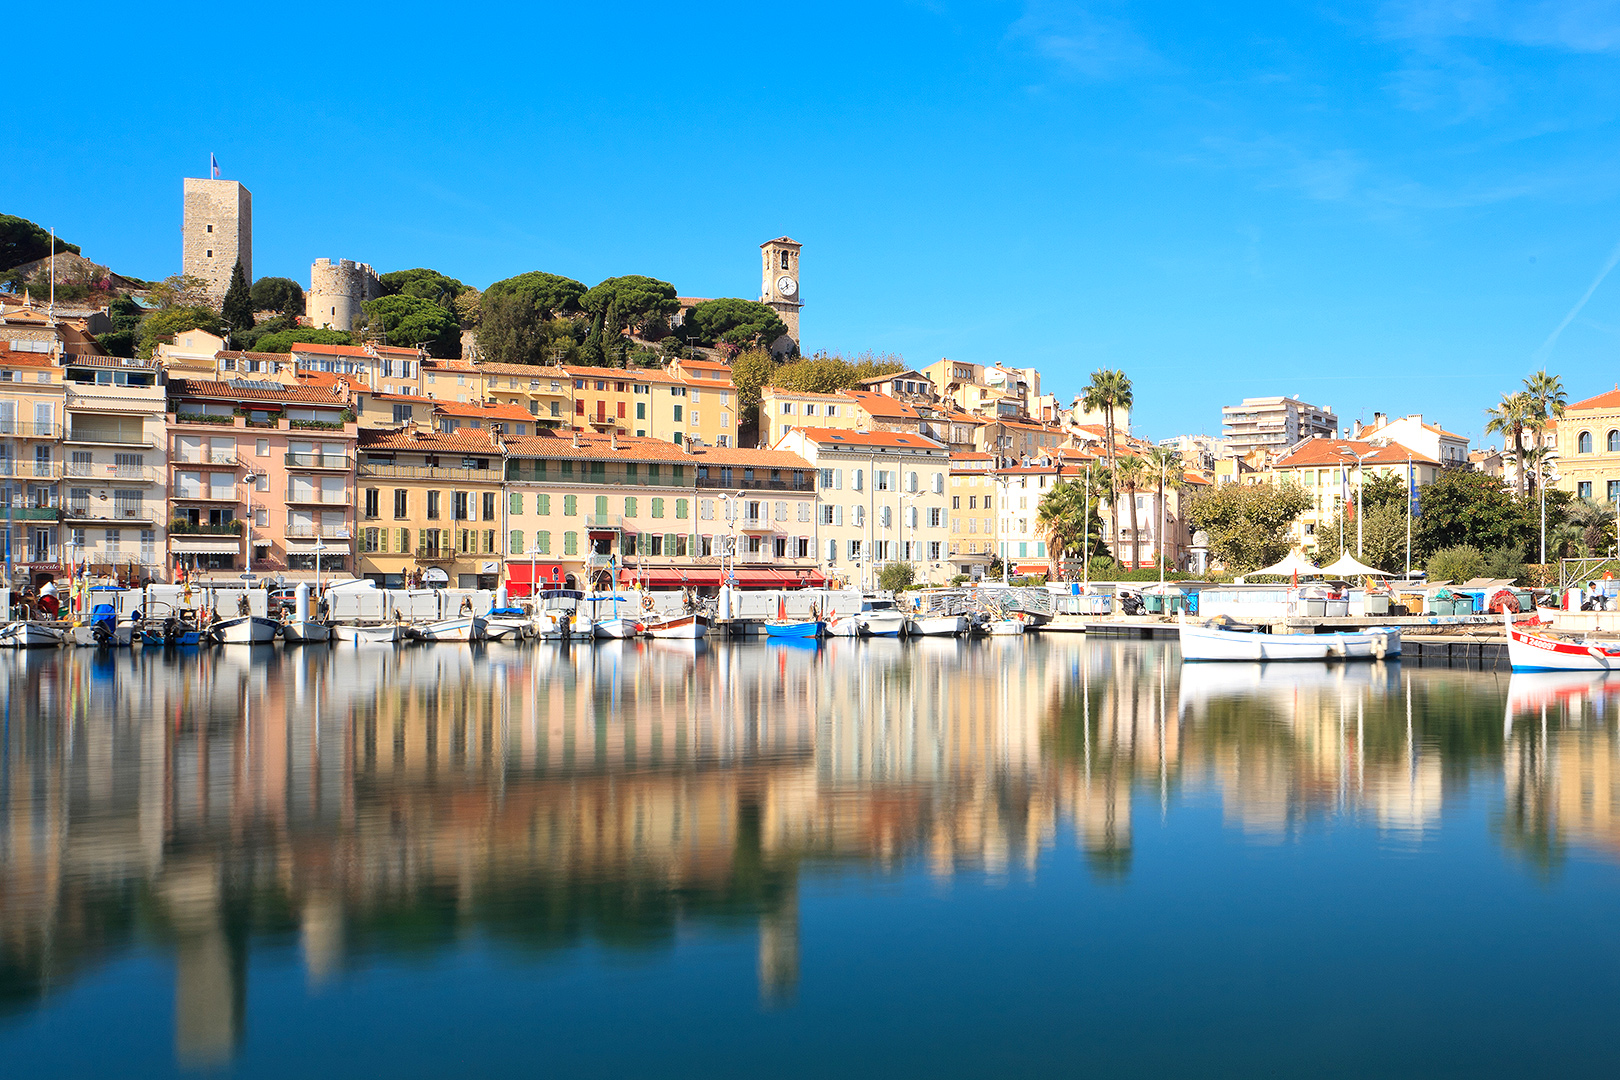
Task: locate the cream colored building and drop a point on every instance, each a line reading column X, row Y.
column 884, row 498
column 115, row 482
column 973, row 513
column 1589, row 464
column 1328, row 471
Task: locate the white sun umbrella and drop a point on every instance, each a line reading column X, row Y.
column 1347, row 567
column 1295, row 563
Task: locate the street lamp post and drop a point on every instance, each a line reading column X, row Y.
column 1361, row 469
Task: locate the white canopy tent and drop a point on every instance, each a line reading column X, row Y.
column 1295, row 563
column 1346, row 566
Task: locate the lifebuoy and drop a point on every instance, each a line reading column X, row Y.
column 646, row 603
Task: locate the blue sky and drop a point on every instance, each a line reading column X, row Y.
column 1377, row 207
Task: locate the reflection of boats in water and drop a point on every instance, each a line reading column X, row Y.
column 1205, row 684
column 1529, row 692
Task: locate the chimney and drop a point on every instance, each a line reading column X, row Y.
column 576, row 438
column 613, row 440
column 1379, row 419
column 1355, row 429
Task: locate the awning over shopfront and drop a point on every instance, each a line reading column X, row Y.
column 328, row 547
column 709, row 577
column 521, row 576
column 218, row 545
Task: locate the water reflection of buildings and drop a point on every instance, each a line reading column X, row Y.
column 372, row 802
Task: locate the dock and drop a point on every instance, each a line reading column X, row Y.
column 1424, row 640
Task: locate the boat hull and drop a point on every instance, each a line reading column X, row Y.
column 1534, row 652
column 846, row 626
column 801, row 630
column 246, row 630
column 306, row 631
column 506, row 628
column 86, row 636
column 1205, row 643
column 1005, row 628
column 881, row 623
column 466, row 628
column 358, row 634
column 616, row 629
column 938, row 626
column 30, row 635
column 680, row 628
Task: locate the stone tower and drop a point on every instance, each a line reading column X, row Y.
column 216, row 229
column 336, row 291
column 779, row 281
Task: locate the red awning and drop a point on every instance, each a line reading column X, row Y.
column 518, row 582
column 709, row 577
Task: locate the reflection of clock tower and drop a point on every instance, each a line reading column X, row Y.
column 779, row 284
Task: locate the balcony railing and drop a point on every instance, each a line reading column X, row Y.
column 715, row 482
column 222, row 419
column 181, row 526
column 318, row 461
column 435, row 555
column 103, row 471
column 107, row 438
column 28, row 429
column 382, row 471
column 30, row 470
column 214, row 457
column 207, row 494
column 31, row 513
column 109, row 511
column 318, row 532
column 604, row 521
column 318, row 498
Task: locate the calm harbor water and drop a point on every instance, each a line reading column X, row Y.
column 867, row 859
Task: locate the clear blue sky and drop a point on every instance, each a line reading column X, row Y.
column 1377, row 207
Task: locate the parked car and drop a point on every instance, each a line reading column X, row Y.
column 280, row 600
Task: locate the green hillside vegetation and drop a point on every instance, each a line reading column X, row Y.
column 21, row 241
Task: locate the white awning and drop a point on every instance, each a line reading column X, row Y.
column 1295, row 563
column 1347, row 566
column 195, row 545
column 328, row 547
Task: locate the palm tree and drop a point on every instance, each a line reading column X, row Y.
column 1060, row 518
column 1107, row 391
column 1168, row 474
column 1131, row 474
column 1509, row 420
column 1546, row 396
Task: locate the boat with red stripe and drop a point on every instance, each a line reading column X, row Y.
column 1530, row 651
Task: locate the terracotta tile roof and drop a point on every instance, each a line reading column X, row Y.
column 702, row 384
column 704, row 365
column 24, row 359
column 833, row 437
column 533, row 371
column 478, row 411
column 1318, row 452
column 243, row 354
column 324, row 378
column 1607, row 400
column 881, row 404
column 971, row 456
column 466, row 440
column 252, row 390
column 801, row 394
column 1193, row 478
column 327, row 350
column 732, row 455
column 1443, row 433
column 594, row 447
column 621, row 374
column 86, row 360
column 458, row 366
column 390, row 350
column 380, row 395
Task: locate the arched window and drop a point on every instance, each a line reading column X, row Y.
column 1614, row 442
column 1583, row 444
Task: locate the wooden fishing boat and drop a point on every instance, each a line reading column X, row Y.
column 1004, row 627
column 616, row 628
column 806, row 628
column 366, row 633
column 677, row 627
column 938, row 626
column 27, row 634
column 1217, row 641
column 305, row 631
column 465, row 628
column 1530, row 651
column 246, row 630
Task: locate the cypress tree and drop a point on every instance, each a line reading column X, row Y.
column 237, row 309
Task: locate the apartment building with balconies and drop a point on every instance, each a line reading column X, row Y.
column 756, row 515
column 973, row 514
column 31, row 400
column 263, row 479
column 1274, row 424
column 430, row 503
column 114, row 478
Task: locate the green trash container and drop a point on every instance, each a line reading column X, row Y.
column 1153, row 604
column 1527, row 602
column 1463, row 605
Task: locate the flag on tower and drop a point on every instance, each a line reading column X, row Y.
column 213, row 163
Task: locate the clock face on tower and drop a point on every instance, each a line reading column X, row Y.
column 786, row 285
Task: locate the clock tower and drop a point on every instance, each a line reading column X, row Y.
column 779, row 281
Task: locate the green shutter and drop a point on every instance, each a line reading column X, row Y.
column 544, row 509
column 570, row 505
column 629, row 506
column 658, row 508
column 680, row 509
column 515, row 543
column 515, row 505
column 669, row 544
column 542, row 542
column 641, row 410
column 601, row 506
column 570, row 543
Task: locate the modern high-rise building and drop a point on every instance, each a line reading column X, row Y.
column 216, row 229
column 1274, row 424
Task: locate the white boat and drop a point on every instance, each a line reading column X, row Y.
column 556, row 624
column 465, row 628
column 844, row 626
column 366, row 633
column 307, row 631
column 88, row 636
column 507, row 624
column 1530, row 651
column 880, row 618
column 938, row 626
column 678, row 627
column 245, row 630
column 1211, row 641
column 617, row 629
column 1004, row 627
column 30, row 635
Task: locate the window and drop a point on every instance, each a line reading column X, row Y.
column 514, row 503
column 658, row 508
column 369, row 540
column 956, row 502
column 779, row 547
column 579, row 408
column 458, row 505
column 570, row 507
column 570, row 542
column 373, row 503
column 629, row 506
column 787, row 409
column 1584, row 489
column 601, row 506
column 489, row 506
column 880, row 479
column 641, row 410
column 542, row 543
column 680, row 509
column 677, row 409
column 401, row 503
column 1583, row 443
column 1614, row 490
column 936, row 517
column 433, row 505
column 1613, row 442
column 542, row 505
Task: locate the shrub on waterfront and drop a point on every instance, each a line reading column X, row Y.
column 896, row 577
column 1505, row 562
column 1458, row 563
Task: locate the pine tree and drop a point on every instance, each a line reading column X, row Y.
column 237, row 309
